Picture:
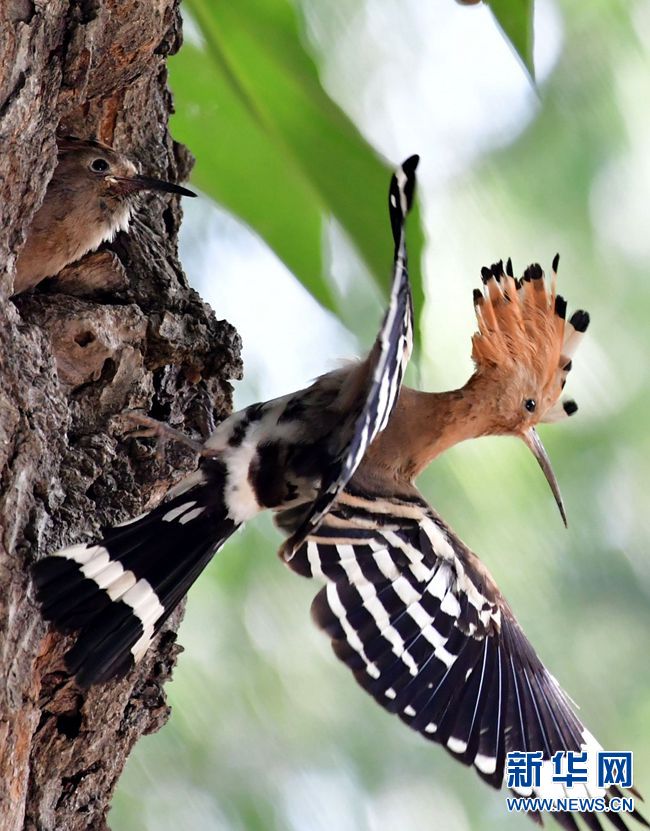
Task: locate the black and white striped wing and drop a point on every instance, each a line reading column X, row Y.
column 421, row 624
column 388, row 360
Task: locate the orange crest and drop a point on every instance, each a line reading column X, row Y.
column 524, row 337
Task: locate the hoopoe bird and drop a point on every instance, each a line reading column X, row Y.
column 413, row 613
column 91, row 196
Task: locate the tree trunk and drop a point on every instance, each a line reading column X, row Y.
column 120, row 330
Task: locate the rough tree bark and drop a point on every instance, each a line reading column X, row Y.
column 120, row 330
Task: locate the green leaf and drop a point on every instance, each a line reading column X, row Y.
column 272, row 146
column 515, row 19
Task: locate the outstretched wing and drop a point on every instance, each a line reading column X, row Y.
column 386, row 365
column 420, row 622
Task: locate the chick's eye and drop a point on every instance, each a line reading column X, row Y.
column 99, row 165
column 530, row 404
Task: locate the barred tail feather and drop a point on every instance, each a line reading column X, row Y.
column 119, row 590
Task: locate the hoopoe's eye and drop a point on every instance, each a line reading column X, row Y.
column 530, row 404
column 99, row 165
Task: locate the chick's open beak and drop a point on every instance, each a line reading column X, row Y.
column 148, row 183
column 534, row 442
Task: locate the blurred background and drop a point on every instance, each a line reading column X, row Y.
column 268, row 730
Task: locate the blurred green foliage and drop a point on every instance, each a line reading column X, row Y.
column 250, row 104
column 269, row 732
column 515, row 18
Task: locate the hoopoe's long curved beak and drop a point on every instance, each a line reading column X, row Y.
column 533, row 441
column 148, row 183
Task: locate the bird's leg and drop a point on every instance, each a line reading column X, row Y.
column 149, row 427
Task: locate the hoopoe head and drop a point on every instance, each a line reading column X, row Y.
column 90, row 169
column 524, row 348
